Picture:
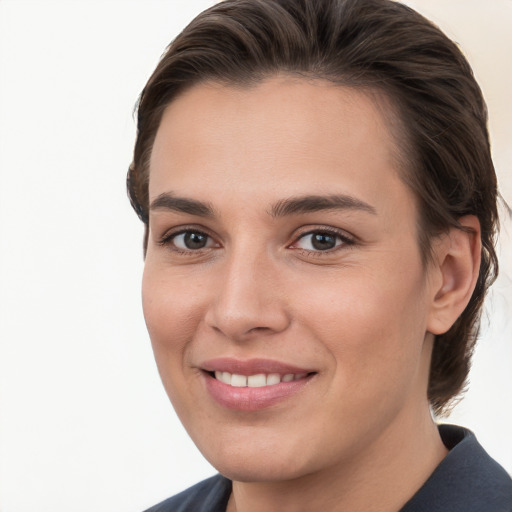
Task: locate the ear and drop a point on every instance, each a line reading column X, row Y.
column 457, row 265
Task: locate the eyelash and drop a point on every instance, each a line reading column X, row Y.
column 344, row 241
column 169, row 238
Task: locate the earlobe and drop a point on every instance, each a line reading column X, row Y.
column 457, row 264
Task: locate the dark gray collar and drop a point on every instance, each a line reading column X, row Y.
column 467, row 480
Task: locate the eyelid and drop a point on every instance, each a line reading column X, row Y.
column 167, row 238
column 347, row 240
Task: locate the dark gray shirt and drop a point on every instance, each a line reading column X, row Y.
column 467, row 480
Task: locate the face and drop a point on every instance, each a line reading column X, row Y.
column 283, row 288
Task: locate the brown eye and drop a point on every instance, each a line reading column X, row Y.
column 195, row 240
column 321, row 241
column 192, row 241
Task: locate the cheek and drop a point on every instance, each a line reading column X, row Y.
column 172, row 313
column 373, row 327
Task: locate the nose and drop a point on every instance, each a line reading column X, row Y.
column 250, row 301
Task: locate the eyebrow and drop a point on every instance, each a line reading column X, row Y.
column 168, row 201
column 309, row 204
column 283, row 208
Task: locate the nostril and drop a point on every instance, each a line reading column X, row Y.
column 258, row 329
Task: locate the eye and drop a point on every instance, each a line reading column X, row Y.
column 321, row 240
column 189, row 240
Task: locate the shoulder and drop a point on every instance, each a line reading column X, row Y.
column 467, row 480
column 210, row 495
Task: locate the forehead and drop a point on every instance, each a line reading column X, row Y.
column 278, row 137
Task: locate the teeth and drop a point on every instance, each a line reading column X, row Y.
column 273, row 378
column 256, row 381
column 238, row 381
column 223, row 377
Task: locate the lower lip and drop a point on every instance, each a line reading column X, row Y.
column 252, row 399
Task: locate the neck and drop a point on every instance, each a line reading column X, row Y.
column 382, row 479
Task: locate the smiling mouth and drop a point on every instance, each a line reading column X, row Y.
column 257, row 380
column 253, row 384
column 256, row 391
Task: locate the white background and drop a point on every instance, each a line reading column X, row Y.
column 84, row 422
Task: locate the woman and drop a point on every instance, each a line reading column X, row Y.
column 320, row 208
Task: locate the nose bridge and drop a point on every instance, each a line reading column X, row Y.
column 248, row 300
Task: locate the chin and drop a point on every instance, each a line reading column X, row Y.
column 266, row 471
column 260, row 462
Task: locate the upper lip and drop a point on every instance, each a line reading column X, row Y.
column 251, row 366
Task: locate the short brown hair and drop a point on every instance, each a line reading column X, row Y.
column 379, row 45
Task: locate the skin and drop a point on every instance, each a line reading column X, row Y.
column 359, row 436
